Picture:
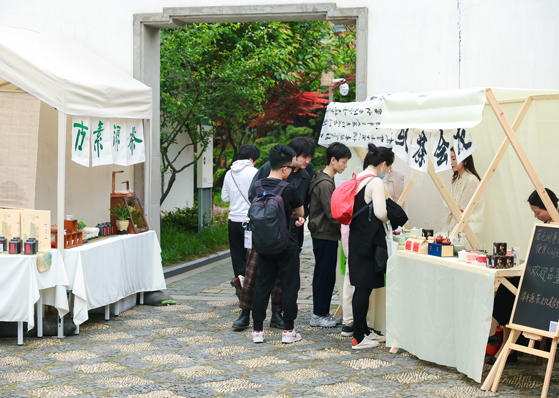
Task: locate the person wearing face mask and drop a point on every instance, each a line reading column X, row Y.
column 465, row 181
column 504, row 298
column 366, row 233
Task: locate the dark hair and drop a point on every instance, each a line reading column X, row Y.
column 535, row 199
column 281, row 155
column 377, row 155
column 338, row 151
column 468, row 165
column 303, row 146
column 249, row 152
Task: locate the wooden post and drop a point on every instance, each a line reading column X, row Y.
column 491, row 170
column 454, row 209
column 522, row 155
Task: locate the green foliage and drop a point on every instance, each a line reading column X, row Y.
column 223, row 73
column 81, row 225
column 181, row 220
column 121, row 212
column 180, row 246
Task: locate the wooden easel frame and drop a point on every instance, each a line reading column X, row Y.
column 494, row 376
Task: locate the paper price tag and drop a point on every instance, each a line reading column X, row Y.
column 248, row 239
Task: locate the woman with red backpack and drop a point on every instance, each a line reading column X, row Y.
column 365, row 235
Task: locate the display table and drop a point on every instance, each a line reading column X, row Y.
column 440, row 309
column 22, row 285
column 103, row 272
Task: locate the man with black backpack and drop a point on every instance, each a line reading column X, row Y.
column 274, row 202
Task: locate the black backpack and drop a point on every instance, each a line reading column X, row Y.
column 268, row 223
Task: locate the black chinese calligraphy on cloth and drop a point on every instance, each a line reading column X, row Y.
column 537, row 304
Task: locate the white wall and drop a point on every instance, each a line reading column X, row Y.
column 182, row 193
column 413, row 45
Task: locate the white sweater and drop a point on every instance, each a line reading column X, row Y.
column 243, row 171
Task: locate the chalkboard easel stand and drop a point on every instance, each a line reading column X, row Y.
column 494, row 376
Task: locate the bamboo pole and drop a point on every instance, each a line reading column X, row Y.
column 491, row 170
column 522, row 155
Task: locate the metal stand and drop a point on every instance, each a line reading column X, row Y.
column 204, row 209
column 40, row 315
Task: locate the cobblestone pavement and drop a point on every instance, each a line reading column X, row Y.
column 189, row 350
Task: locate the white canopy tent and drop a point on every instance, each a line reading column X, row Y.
column 75, row 82
column 507, row 217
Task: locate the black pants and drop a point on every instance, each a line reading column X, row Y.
column 285, row 264
column 360, row 305
column 237, row 247
column 324, row 277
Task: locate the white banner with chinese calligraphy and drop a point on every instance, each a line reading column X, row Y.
column 402, row 142
column 418, row 151
column 118, row 145
column 355, row 124
column 101, row 152
column 113, row 141
column 440, row 151
column 80, row 139
column 464, row 144
column 135, row 147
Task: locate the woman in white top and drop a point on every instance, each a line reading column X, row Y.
column 464, row 184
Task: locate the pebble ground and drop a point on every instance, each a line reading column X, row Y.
column 189, row 350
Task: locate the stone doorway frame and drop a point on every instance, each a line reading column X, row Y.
column 147, row 177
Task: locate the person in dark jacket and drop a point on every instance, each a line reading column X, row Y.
column 366, row 237
column 325, row 232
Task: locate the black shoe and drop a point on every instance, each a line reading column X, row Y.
column 276, row 321
column 493, row 340
column 237, row 289
column 242, row 321
column 347, row 331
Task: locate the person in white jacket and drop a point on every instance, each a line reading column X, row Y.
column 235, row 190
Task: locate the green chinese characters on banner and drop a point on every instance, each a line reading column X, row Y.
column 81, row 129
column 135, row 150
column 101, row 142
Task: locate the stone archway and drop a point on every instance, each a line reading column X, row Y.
column 147, row 179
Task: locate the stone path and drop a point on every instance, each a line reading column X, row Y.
column 189, row 350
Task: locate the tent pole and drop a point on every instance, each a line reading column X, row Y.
column 61, row 179
column 147, row 170
column 491, row 170
column 521, row 155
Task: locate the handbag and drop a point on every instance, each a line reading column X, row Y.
column 391, row 245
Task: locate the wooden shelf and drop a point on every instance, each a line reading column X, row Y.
column 70, row 239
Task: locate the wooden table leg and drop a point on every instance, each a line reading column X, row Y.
column 394, row 350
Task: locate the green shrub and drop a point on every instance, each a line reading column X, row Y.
column 179, row 246
column 184, row 220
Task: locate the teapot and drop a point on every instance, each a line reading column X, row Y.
column 439, row 239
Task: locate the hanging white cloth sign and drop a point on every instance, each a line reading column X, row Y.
column 464, row 144
column 101, row 149
column 355, row 124
column 118, row 144
column 80, row 139
column 440, row 152
column 402, row 142
column 418, row 156
column 135, row 147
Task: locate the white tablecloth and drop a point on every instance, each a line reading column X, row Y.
column 440, row 309
column 106, row 271
column 20, row 283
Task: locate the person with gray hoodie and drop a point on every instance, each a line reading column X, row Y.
column 325, row 233
column 235, row 190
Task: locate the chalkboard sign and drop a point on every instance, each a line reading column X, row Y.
column 537, row 301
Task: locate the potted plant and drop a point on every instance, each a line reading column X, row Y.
column 122, row 215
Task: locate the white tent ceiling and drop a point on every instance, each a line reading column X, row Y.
column 68, row 77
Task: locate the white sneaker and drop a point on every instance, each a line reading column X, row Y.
column 365, row 343
column 257, row 337
column 376, row 337
column 290, row 337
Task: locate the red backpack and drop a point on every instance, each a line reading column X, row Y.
column 343, row 199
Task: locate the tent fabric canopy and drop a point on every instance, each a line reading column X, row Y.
column 69, row 77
